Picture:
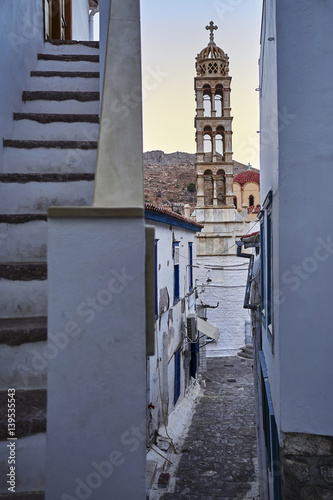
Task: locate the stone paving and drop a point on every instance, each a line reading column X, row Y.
column 219, row 454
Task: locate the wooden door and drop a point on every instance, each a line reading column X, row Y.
column 47, row 19
column 58, row 19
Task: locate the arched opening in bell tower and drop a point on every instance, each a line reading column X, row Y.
column 207, row 100
column 208, row 187
column 220, row 187
column 218, row 100
column 208, row 142
column 219, row 142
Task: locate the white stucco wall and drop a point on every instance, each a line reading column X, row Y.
column 171, row 321
column 80, row 19
column 303, row 269
column 97, row 375
column 21, row 37
column 216, row 249
column 226, row 288
column 269, row 149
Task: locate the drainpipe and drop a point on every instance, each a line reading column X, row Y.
column 91, row 22
column 247, row 304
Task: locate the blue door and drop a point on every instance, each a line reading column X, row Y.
column 177, row 375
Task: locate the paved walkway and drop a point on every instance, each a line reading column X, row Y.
column 219, row 453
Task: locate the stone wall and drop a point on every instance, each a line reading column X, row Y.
column 306, row 462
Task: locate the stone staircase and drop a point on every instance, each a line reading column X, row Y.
column 246, row 352
column 49, row 160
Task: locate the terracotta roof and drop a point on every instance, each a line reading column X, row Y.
column 247, row 176
column 170, row 213
column 254, row 209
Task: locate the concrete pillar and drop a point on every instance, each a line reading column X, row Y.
column 226, row 102
column 200, row 190
column 229, row 184
column 200, row 147
column 200, row 144
column 214, row 191
column 213, row 104
column 228, row 141
column 214, row 157
column 96, row 406
column 119, row 171
column 200, row 107
column 229, row 189
column 228, row 146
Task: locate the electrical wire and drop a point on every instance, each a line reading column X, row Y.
column 229, row 265
column 220, row 286
column 222, row 269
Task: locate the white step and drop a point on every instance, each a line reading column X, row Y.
column 42, row 160
column 67, row 66
column 70, row 106
column 76, row 83
column 71, row 47
column 20, row 299
column 30, row 464
column 36, row 197
column 30, row 129
column 24, row 366
column 24, row 242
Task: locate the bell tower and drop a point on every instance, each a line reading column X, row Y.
column 219, row 268
column 213, row 123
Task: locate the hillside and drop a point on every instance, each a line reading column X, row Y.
column 168, row 178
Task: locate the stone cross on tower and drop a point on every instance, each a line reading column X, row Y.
column 211, row 27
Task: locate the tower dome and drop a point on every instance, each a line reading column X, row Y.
column 212, row 61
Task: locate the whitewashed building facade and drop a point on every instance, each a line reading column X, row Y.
column 175, row 361
column 294, row 344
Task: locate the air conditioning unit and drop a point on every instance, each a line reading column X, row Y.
column 192, row 332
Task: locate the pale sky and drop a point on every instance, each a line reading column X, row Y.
column 173, row 33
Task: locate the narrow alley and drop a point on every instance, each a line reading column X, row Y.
column 219, row 454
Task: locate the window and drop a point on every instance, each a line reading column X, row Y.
column 235, row 201
column 176, row 294
column 156, row 280
column 251, row 200
column 190, row 269
column 266, row 249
